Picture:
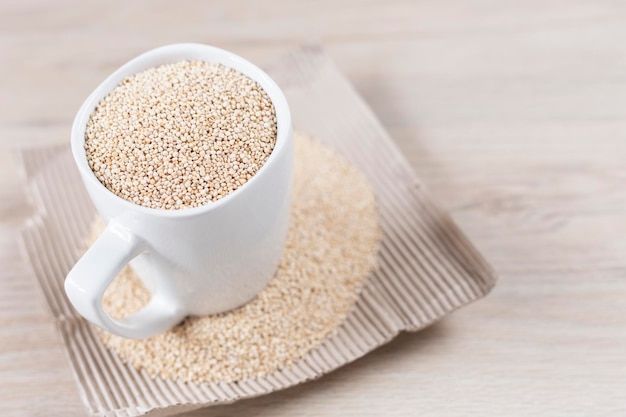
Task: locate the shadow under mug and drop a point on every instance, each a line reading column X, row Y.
column 195, row 261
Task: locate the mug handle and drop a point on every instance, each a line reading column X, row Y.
column 95, row 270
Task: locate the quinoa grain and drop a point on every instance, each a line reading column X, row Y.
column 331, row 249
column 180, row 135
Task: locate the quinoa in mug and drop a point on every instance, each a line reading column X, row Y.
column 180, row 135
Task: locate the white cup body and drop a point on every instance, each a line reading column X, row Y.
column 201, row 260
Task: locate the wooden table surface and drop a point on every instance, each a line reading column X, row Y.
column 513, row 112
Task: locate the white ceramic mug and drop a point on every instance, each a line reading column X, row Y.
column 194, row 261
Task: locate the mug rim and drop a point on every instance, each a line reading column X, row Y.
column 170, row 54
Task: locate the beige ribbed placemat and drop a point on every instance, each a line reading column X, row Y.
column 427, row 268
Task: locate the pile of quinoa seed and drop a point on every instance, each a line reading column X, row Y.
column 180, row 135
column 331, row 249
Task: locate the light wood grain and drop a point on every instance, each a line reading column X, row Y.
column 513, row 112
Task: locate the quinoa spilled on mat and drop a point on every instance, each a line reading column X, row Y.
column 331, row 249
